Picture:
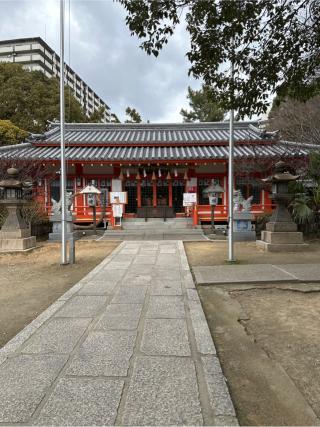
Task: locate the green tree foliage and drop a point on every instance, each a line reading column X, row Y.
column 133, row 116
column 98, row 116
column 273, row 44
column 204, row 106
column 29, row 99
column 11, row 134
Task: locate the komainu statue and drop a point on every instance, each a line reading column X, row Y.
column 56, row 206
column 240, row 204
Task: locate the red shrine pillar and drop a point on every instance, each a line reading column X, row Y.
column 170, row 193
column 139, row 193
column 154, row 188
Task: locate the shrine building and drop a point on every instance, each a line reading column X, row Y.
column 155, row 164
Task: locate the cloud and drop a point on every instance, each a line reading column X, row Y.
column 107, row 57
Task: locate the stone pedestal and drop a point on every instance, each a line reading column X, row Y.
column 16, row 240
column 15, row 234
column 242, row 227
column 56, row 227
column 282, row 237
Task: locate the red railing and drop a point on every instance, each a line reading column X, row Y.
column 200, row 213
column 203, row 212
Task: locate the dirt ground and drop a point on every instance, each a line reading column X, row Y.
column 267, row 337
column 215, row 253
column 30, row 282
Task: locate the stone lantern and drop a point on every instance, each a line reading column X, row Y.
column 281, row 219
column 281, row 231
column 92, row 192
column 213, row 192
column 15, row 235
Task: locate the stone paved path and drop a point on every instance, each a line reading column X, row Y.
column 127, row 345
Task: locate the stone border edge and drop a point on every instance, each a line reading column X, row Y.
column 216, row 382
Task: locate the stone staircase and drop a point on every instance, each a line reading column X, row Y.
column 155, row 228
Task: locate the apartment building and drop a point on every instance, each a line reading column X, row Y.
column 36, row 54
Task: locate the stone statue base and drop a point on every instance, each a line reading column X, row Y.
column 282, row 236
column 16, row 240
column 56, row 227
column 242, row 227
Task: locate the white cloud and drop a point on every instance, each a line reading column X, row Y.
column 105, row 55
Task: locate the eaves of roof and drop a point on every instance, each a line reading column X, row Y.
column 150, row 153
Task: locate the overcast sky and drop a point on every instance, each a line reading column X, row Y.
column 106, row 56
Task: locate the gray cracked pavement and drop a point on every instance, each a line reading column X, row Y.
column 127, row 345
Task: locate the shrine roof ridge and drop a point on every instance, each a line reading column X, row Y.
column 151, row 133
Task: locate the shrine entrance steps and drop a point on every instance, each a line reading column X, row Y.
column 155, row 229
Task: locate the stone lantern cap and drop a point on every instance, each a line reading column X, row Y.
column 213, row 188
column 13, row 181
column 281, row 174
column 90, row 189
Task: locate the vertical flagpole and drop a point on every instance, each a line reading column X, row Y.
column 63, row 158
column 231, row 257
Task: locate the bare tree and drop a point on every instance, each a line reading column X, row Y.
column 297, row 121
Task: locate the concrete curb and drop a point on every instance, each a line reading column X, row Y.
column 269, row 274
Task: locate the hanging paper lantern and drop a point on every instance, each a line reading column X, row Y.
column 128, row 173
column 153, row 176
column 121, row 175
column 175, row 172
column 144, row 173
column 185, row 176
column 138, row 175
column 159, row 173
column 168, row 176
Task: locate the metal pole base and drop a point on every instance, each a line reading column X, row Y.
column 231, row 261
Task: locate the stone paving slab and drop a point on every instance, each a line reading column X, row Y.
column 82, row 306
column 103, row 287
column 109, row 275
column 170, row 307
column 166, row 287
column 118, row 265
column 163, row 391
column 82, row 402
column 135, row 279
column 145, row 259
column 129, row 251
column 141, row 269
column 57, row 336
column 240, row 274
column 24, row 380
column 166, row 273
column 132, row 295
column 128, row 344
column 104, row 354
column 164, row 337
column 120, row 316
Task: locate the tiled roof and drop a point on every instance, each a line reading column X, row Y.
column 148, row 134
column 153, row 142
column 149, row 153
